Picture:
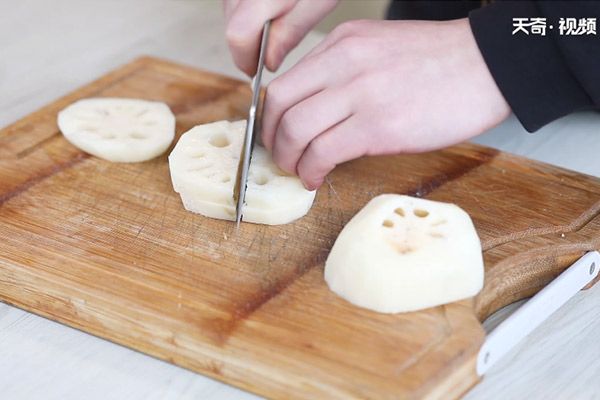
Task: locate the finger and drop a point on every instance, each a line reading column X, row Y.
column 341, row 31
column 228, row 7
column 245, row 26
column 305, row 121
column 289, row 29
column 302, row 81
column 343, row 142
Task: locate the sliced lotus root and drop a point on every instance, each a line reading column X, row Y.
column 118, row 130
column 203, row 168
column 401, row 253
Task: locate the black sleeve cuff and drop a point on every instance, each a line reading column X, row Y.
column 529, row 69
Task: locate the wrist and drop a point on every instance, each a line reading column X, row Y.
column 483, row 83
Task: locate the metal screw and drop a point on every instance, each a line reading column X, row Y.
column 592, row 268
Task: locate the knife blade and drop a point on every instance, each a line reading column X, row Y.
column 241, row 180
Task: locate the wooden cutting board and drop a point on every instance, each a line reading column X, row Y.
column 108, row 248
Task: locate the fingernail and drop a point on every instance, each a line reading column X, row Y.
column 309, row 186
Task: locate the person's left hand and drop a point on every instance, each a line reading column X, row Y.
column 379, row 87
column 291, row 21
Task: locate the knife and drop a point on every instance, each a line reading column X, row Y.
column 241, row 179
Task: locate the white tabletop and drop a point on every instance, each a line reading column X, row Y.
column 48, row 48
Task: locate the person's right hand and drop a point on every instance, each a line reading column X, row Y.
column 292, row 20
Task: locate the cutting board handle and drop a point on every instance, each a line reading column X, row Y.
column 536, row 310
column 523, row 275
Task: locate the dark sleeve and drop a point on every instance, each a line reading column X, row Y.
column 431, row 10
column 542, row 77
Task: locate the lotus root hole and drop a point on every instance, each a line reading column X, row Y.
column 200, row 167
column 219, row 140
column 399, row 211
column 420, row 213
column 403, row 248
column 137, row 135
column 261, row 180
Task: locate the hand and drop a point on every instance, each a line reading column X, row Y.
column 292, row 20
column 379, row 87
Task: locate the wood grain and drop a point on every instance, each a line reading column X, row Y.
column 107, row 248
